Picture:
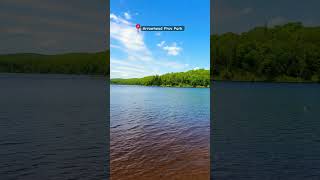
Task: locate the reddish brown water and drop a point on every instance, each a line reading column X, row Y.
column 159, row 133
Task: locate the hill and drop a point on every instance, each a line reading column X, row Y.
column 71, row 63
column 192, row 78
column 287, row 53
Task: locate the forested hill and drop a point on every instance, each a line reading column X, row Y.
column 192, row 78
column 290, row 52
column 71, row 63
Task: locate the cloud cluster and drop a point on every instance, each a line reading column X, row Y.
column 131, row 42
column 138, row 60
column 161, row 44
column 127, row 15
column 172, row 50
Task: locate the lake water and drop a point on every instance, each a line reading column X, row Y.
column 159, row 133
column 265, row 131
column 53, row 127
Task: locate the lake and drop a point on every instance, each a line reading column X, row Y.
column 53, row 127
column 159, row 133
column 265, row 131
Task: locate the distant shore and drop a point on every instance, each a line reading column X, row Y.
column 70, row 63
column 191, row 79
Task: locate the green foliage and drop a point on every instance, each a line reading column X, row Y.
column 290, row 52
column 192, row 78
column 72, row 63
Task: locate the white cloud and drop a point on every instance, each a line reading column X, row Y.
column 130, row 69
column 125, row 33
column 123, row 74
column 196, row 68
column 113, row 17
column 124, row 69
column 119, row 20
column 115, row 46
column 158, row 34
column 173, row 50
column 117, row 62
column 161, row 44
column 171, row 64
column 127, row 15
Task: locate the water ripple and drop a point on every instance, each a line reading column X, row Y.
column 159, row 133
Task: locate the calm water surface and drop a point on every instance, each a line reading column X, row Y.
column 159, row 133
column 53, row 127
column 265, row 131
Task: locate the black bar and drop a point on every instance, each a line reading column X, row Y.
column 162, row 28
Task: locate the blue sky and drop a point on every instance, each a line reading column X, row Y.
column 138, row 54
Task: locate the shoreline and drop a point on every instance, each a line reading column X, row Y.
column 159, row 86
column 107, row 78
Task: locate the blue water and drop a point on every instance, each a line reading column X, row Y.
column 265, row 131
column 53, row 127
column 159, row 133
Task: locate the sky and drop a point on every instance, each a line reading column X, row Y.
column 138, row 54
column 53, row 26
column 242, row 15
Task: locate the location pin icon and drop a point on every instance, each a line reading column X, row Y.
column 138, row 27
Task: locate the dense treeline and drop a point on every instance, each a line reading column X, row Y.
column 290, row 52
column 72, row 63
column 192, row 78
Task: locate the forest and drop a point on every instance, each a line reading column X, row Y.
column 71, row 63
column 284, row 53
column 192, row 78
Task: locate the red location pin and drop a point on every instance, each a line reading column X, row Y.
column 138, row 27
